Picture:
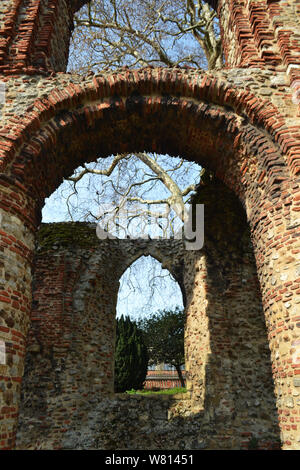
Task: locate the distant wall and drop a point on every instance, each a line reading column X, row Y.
column 70, row 354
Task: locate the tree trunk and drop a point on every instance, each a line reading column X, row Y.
column 179, row 372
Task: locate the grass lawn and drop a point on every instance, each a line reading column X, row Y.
column 163, row 391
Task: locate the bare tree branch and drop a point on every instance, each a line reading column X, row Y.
column 146, row 32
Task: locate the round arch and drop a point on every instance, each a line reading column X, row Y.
column 174, row 111
column 199, row 116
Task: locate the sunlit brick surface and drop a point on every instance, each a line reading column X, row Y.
column 242, row 122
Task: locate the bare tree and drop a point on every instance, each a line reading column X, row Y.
column 143, row 288
column 123, row 179
column 114, row 33
column 137, row 33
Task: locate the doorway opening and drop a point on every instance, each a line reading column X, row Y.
column 151, row 299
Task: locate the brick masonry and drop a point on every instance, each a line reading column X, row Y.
column 70, row 348
column 241, row 122
column 161, row 378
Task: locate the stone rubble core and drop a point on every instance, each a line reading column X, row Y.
column 242, row 123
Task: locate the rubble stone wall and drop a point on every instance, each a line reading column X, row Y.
column 241, row 122
column 68, row 379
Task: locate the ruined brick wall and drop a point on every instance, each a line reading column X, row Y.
column 70, row 348
column 35, row 35
column 261, row 33
column 241, row 122
column 68, row 379
column 229, row 374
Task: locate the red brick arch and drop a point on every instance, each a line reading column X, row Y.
column 174, row 111
column 52, row 122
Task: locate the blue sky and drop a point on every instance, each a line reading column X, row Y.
column 145, row 287
column 137, row 296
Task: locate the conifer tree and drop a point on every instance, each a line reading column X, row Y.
column 164, row 336
column 131, row 357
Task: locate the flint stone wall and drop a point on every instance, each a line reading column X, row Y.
column 67, row 394
column 241, row 122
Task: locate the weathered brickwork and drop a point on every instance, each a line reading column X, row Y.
column 229, row 375
column 241, row 122
column 70, row 348
column 35, row 35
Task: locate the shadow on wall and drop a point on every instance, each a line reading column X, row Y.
column 231, row 402
column 228, row 358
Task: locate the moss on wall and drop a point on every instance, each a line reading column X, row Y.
column 66, row 234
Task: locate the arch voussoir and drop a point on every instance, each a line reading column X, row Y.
column 175, row 87
column 193, row 85
column 232, row 130
column 242, row 122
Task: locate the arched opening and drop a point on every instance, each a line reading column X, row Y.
column 218, row 281
column 130, row 118
column 148, row 290
column 227, row 124
column 191, row 115
column 145, row 287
